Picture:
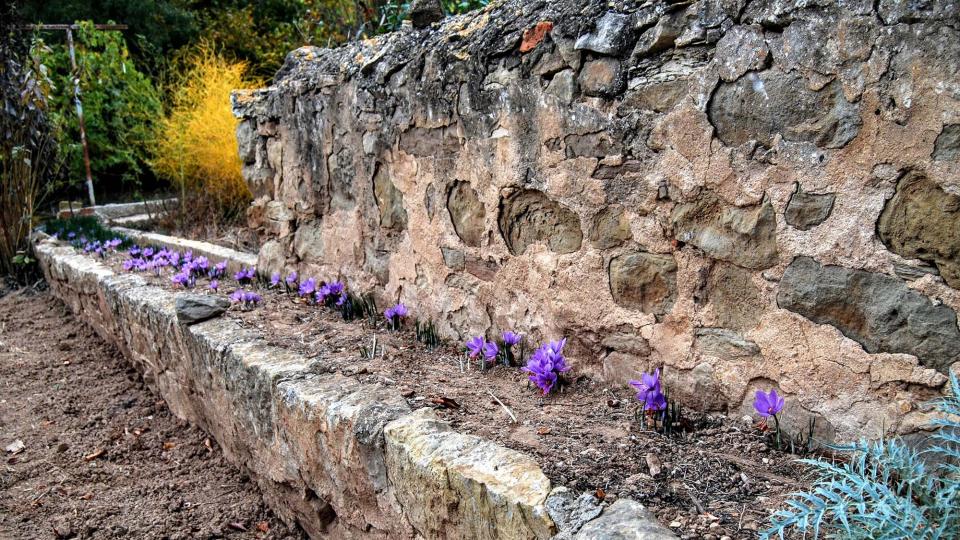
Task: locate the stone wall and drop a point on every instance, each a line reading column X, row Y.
column 341, row 458
column 751, row 194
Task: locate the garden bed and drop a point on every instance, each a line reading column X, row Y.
column 717, row 478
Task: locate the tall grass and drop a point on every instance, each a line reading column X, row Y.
column 196, row 145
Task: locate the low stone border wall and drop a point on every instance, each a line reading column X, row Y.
column 341, row 458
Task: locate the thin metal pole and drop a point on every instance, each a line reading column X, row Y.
column 83, row 127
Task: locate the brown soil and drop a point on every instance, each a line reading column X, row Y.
column 718, row 479
column 102, row 457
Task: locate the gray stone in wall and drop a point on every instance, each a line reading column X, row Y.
column 466, row 213
column 745, row 236
column 644, row 281
column 876, row 310
column 947, row 145
column 389, row 201
column 807, row 210
column 921, row 221
column 740, row 50
column 602, row 77
column 612, row 35
column 610, row 228
column 761, row 105
column 528, row 216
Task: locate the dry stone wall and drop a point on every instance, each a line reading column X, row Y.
column 341, row 458
column 749, row 194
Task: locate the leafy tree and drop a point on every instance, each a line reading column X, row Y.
column 120, row 106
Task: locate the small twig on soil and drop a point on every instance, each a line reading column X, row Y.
column 495, row 398
column 90, row 457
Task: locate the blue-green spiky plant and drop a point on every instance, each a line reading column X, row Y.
column 886, row 490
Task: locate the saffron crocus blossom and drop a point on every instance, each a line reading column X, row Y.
column 329, row 291
column 546, row 365
column 343, row 299
column 71, row 235
column 292, row 278
column 395, row 313
column 237, row 296
column 214, row 285
column 308, row 287
column 275, row 279
column 245, row 274
column 510, row 339
column 148, row 252
column 650, row 391
column 490, row 351
column 218, row 269
column 768, row 405
column 475, row 346
column 184, row 278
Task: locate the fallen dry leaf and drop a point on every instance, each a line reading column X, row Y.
column 90, row 457
column 263, row 526
column 169, row 445
column 543, row 431
column 443, row 402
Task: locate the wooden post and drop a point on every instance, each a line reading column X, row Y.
column 83, row 128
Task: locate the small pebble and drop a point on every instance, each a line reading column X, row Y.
column 674, row 524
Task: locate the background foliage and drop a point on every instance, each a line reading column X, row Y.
column 120, row 106
column 195, row 145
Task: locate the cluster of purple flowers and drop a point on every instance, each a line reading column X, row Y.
column 395, row 314
column 477, row 346
column 101, row 249
column 650, row 391
column 245, row 298
column 332, row 293
column 245, row 275
column 547, row 364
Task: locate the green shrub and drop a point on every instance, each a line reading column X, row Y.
column 120, row 106
column 884, row 489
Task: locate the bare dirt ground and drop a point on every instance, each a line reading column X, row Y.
column 88, row 452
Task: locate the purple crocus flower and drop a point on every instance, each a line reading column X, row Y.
column 214, row 285
column 768, row 404
column 510, row 339
column 546, row 365
column 237, row 296
column 134, row 250
column 71, row 235
column 148, row 252
column 218, row 269
column 308, row 287
column 292, row 278
column 245, row 274
column 395, row 313
column 475, row 346
column 490, row 351
column 183, row 278
column 275, row 279
column 648, row 389
column 343, row 299
column 251, row 298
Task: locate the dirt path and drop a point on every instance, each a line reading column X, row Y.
column 101, row 456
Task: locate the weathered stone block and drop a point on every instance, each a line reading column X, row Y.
column 746, row 236
column 876, row 310
column 644, row 281
column 529, row 216
column 921, row 221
